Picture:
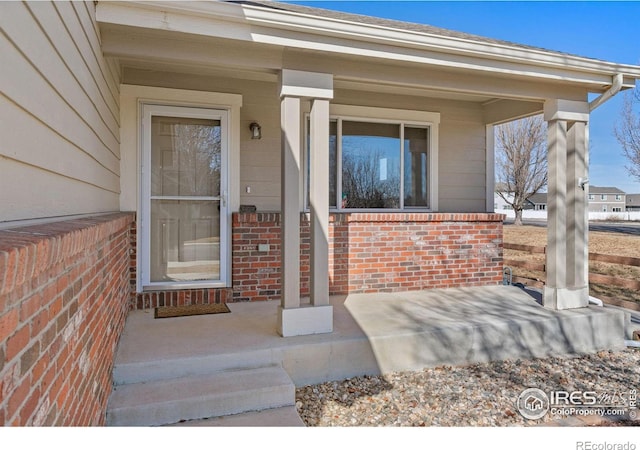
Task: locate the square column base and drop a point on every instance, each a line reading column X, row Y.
column 565, row 298
column 305, row 320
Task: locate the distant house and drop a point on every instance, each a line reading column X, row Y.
column 500, row 204
column 606, row 199
column 539, row 201
column 633, row 202
column 601, row 199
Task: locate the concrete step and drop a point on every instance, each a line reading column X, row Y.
column 199, row 396
column 631, row 322
column 190, row 365
column 286, row 416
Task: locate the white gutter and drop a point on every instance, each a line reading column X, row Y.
column 616, row 85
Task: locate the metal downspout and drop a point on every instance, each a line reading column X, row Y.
column 616, row 85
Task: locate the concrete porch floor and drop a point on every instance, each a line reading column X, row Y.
column 373, row 334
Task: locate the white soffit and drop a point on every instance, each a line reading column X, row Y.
column 304, row 31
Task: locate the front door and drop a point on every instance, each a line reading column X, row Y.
column 184, row 218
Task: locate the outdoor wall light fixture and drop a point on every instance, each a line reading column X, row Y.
column 256, row 130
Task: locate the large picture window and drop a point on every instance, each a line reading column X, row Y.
column 377, row 164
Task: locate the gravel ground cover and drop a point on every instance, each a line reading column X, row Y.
column 475, row 395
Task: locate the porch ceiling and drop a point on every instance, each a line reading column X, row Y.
column 272, row 77
column 154, row 50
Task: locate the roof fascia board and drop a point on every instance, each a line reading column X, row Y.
column 453, row 61
column 448, row 44
column 257, row 24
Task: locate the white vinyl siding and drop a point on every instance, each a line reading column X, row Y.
column 59, row 112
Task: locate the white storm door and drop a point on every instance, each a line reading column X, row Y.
column 184, row 226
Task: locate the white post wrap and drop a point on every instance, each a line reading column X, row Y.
column 567, row 283
column 290, row 191
column 319, row 202
column 577, row 209
column 295, row 319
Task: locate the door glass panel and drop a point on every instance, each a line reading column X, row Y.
column 185, row 240
column 185, row 199
column 415, row 166
column 185, row 157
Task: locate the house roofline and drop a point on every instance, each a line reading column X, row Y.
column 254, row 20
column 462, row 42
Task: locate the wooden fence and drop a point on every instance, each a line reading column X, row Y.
column 596, row 278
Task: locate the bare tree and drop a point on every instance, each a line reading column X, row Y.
column 627, row 132
column 361, row 183
column 521, row 161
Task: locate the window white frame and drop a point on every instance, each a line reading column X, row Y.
column 603, row 196
column 400, row 117
column 153, row 109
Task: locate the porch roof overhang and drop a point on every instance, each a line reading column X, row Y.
column 461, row 64
column 274, row 26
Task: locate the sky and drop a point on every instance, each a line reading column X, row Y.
column 604, row 30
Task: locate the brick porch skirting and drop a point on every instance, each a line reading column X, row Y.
column 368, row 252
column 374, row 252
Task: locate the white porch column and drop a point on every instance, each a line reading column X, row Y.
column 290, row 192
column 577, row 209
column 567, row 283
column 294, row 318
column 319, row 201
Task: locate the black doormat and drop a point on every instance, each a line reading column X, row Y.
column 163, row 312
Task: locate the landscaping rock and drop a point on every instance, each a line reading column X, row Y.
column 475, row 395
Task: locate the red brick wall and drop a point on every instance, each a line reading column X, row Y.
column 256, row 274
column 64, row 290
column 153, row 299
column 368, row 252
column 374, row 252
column 408, row 251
